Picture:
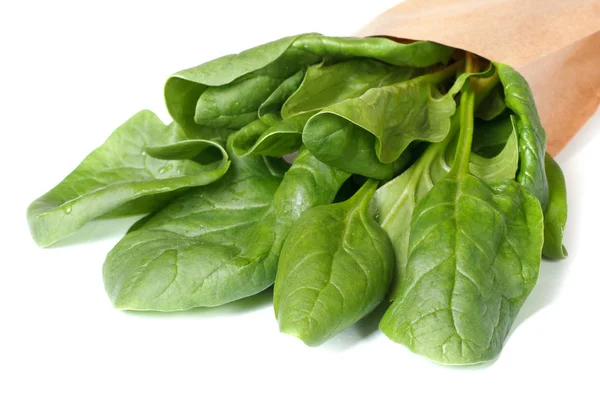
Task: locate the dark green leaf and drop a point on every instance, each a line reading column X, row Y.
column 345, row 145
column 490, row 136
column 532, row 137
column 236, row 104
column 493, row 105
column 273, row 104
column 555, row 217
column 184, row 88
column 255, row 73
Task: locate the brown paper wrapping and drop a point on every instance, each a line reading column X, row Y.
column 555, row 44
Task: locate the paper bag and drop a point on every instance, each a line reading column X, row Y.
column 555, row 44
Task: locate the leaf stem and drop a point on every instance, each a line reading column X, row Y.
column 466, row 115
column 367, row 190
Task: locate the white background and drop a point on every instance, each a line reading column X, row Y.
column 73, row 71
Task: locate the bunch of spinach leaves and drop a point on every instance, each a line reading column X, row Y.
column 420, row 179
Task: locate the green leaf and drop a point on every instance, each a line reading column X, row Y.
column 416, row 54
column 493, row 105
column 121, row 178
column 281, row 138
column 325, row 85
column 344, row 145
column 365, row 135
column 555, row 217
column 490, row 137
column 532, row 137
column 219, row 243
column 335, row 268
column 236, row 104
column 474, row 257
column 273, row 104
column 502, row 166
column 183, row 89
column 163, row 263
column 140, row 222
column 394, row 202
column 254, row 74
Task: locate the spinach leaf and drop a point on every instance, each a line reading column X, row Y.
column 532, row 137
column 163, row 263
column 461, row 226
column 394, row 203
column 335, row 267
column 273, row 103
column 281, row 138
column 417, row 54
column 473, row 258
column 278, row 166
column 325, row 85
column 365, row 135
column 218, row 243
column 503, row 165
column 237, row 103
column 492, row 106
column 342, row 144
column 555, row 217
column 308, row 183
column 183, row 89
column 251, row 74
column 122, row 177
column 490, row 137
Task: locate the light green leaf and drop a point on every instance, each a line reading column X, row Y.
column 416, row 54
column 281, row 138
column 499, row 167
column 325, row 85
column 474, row 257
column 335, row 267
column 121, row 178
column 219, row 243
column 394, row 202
column 365, row 135
column 163, row 263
